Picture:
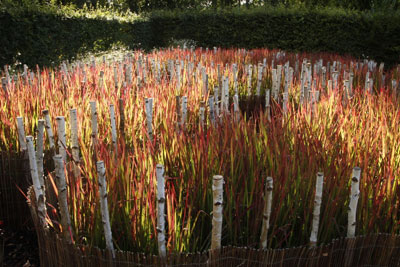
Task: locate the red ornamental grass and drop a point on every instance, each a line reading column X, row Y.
column 332, row 136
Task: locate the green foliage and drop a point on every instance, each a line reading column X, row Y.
column 140, row 6
column 362, row 34
column 45, row 35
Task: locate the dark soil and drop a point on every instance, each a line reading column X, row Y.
column 19, row 248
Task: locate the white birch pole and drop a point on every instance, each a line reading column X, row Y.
column 285, row 102
column 161, row 210
column 250, row 73
column 39, row 152
column 49, row 130
column 201, row 115
column 36, row 182
column 259, row 78
column 74, row 141
column 235, row 83
column 62, row 146
column 278, row 80
column 211, row 109
column 205, row 80
column 226, row 94
column 129, row 75
column 302, row 85
column 93, row 112
column 216, row 103
column 113, row 129
column 274, row 84
column 236, row 109
column 266, row 212
column 184, row 110
column 323, row 82
column 149, row 116
column 330, row 85
column 351, row 78
column 371, row 86
column 158, row 73
column 101, row 172
column 394, row 87
column 21, row 133
column 317, row 209
column 62, row 197
column 101, row 80
column 217, row 217
column 115, row 77
column 355, row 193
column 267, row 104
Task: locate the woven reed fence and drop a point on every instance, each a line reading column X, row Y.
column 371, row 250
column 14, row 176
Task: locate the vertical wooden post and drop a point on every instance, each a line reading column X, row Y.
column 113, row 129
column 259, row 78
column 36, row 183
column 62, row 146
column 394, row 87
column 115, row 77
column 217, row 218
column 39, row 152
column 74, row 141
column 250, row 73
column 216, row 104
column 267, row 104
column 317, row 208
column 178, row 108
column 201, row 114
column 184, row 110
column 355, row 193
column 285, row 102
column 205, row 81
column 266, row 212
column 235, row 84
column 236, row 109
column 160, row 210
column 351, row 78
column 101, row 173
column 21, row 133
column 274, row 85
column 226, row 94
column 101, row 80
column 149, row 116
column 211, row 109
column 62, row 197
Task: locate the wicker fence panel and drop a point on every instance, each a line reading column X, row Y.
column 371, row 250
column 14, row 174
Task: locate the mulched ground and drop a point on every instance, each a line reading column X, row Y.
column 19, row 248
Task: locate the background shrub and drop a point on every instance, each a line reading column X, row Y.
column 45, row 35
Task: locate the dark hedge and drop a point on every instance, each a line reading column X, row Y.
column 42, row 38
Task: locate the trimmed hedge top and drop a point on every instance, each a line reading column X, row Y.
column 32, row 36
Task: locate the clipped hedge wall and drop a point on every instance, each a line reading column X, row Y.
column 46, row 39
column 359, row 34
column 42, row 38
